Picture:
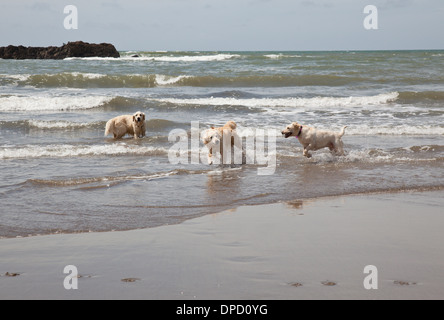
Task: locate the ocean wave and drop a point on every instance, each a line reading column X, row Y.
column 60, row 124
column 288, row 102
column 426, row 148
column 415, row 96
column 92, row 80
column 88, row 80
column 278, row 80
column 367, row 155
column 164, row 80
column 162, row 124
column 395, row 130
column 281, row 56
column 96, row 80
column 108, row 180
column 197, row 58
column 165, row 58
column 51, row 124
column 62, row 151
column 50, row 103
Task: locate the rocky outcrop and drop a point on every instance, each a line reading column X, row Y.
column 78, row 49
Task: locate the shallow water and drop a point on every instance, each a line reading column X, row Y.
column 60, row 174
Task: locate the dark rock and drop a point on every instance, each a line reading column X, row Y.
column 78, row 49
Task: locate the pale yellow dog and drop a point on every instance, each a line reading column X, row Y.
column 134, row 125
column 216, row 138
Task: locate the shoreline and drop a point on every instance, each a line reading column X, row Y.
column 393, row 191
column 302, row 249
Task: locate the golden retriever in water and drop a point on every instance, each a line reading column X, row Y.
column 133, row 125
column 216, row 138
column 313, row 139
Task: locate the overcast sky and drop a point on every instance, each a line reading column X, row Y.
column 228, row 25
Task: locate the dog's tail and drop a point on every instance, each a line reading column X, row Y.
column 342, row 131
column 231, row 124
column 108, row 128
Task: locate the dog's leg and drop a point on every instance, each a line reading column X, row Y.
column 306, row 149
column 119, row 133
column 210, row 156
column 340, row 148
column 306, row 154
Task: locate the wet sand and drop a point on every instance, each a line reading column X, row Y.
column 311, row 249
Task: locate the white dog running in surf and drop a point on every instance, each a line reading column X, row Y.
column 313, row 139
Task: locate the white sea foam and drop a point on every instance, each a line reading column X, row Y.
column 92, row 58
column 217, row 57
column 50, row 103
column 65, row 150
column 163, row 80
column 373, row 156
column 361, row 155
column 57, row 124
column 88, row 75
column 171, row 58
column 108, row 180
column 289, row 102
column 280, row 56
column 273, row 56
column 395, row 129
column 18, row 77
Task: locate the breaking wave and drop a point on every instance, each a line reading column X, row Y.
column 50, row 103
column 156, row 56
column 92, row 80
column 73, row 182
column 288, row 102
column 65, row 150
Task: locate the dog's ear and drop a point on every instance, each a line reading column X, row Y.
column 212, row 127
column 143, row 116
column 134, row 118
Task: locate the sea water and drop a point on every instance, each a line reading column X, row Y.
column 58, row 173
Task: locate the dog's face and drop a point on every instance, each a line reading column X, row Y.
column 292, row 130
column 139, row 117
column 211, row 137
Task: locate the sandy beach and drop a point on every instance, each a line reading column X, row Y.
column 311, row 249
